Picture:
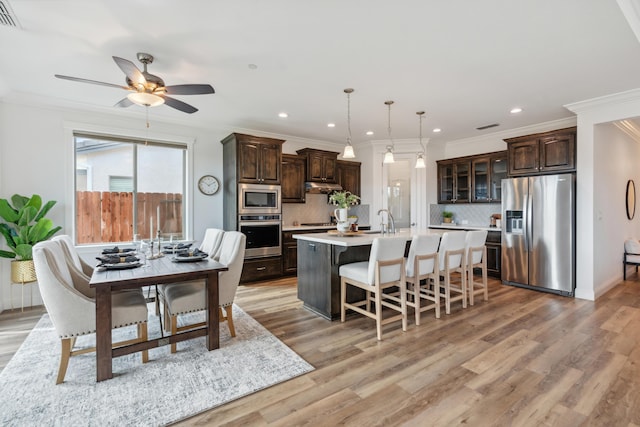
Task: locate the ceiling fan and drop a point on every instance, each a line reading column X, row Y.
column 147, row 89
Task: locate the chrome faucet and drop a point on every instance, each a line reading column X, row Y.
column 390, row 221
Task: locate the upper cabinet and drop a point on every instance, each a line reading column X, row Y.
column 454, row 181
column 549, row 152
column 321, row 165
column 293, row 176
column 472, row 179
column 349, row 176
column 487, row 173
column 258, row 159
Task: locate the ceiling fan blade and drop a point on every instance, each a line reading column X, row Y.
column 179, row 105
column 95, row 82
column 129, row 68
column 189, row 89
column 124, row 102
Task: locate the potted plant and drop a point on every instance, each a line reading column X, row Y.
column 342, row 199
column 447, row 216
column 25, row 225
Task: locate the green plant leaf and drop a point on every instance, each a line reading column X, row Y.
column 24, row 252
column 8, row 213
column 7, row 254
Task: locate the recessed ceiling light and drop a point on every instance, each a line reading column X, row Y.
column 516, row 110
column 369, row 132
column 437, row 130
column 331, row 125
column 283, row 115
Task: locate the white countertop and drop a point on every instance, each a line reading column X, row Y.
column 464, row 227
column 310, row 227
column 361, row 239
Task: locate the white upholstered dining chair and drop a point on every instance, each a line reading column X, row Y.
column 385, row 270
column 74, row 314
column 181, row 298
column 423, row 274
column 476, row 254
column 452, row 260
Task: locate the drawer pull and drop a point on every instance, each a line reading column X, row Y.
column 261, row 268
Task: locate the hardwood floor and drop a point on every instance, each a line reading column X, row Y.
column 523, row 358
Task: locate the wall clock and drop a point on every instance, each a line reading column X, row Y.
column 208, row 185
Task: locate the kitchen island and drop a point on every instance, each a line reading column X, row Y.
column 320, row 256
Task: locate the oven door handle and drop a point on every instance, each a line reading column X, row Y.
column 251, row 223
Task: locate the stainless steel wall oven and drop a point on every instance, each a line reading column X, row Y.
column 263, row 233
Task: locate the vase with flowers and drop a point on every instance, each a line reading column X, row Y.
column 343, row 200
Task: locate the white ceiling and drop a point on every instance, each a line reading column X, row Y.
column 467, row 63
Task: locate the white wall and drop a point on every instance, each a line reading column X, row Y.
column 36, row 157
column 618, row 155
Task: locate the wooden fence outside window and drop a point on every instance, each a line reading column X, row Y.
column 108, row 216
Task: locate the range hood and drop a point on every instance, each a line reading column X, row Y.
column 321, row 187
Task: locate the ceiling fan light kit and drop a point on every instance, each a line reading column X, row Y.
column 148, row 90
column 145, row 99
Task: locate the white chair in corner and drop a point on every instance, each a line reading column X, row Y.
column 384, row 270
column 423, row 274
column 476, row 254
column 631, row 256
column 452, row 260
column 181, row 298
column 74, row 314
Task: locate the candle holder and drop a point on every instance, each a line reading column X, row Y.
column 159, row 254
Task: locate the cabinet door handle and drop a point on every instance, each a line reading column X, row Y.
column 261, row 268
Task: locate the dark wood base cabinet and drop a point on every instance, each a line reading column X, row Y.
column 494, row 253
column 319, row 276
column 261, row 269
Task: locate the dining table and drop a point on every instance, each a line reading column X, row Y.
column 162, row 270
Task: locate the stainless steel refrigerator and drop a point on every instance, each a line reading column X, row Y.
column 538, row 233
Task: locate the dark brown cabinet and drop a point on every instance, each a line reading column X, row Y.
column 261, row 269
column 494, row 253
column 290, row 250
column 293, row 176
column 487, row 173
column 321, row 165
column 454, row 181
column 258, row 159
column 349, row 176
column 472, row 179
column 548, row 152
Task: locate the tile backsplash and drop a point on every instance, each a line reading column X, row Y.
column 474, row 213
column 317, row 209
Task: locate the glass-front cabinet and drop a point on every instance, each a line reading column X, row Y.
column 454, row 181
column 487, row 173
column 473, row 179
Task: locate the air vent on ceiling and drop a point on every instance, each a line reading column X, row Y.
column 7, row 16
column 492, row 125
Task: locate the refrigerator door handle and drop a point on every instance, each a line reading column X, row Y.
column 525, row 218
column 529, row 223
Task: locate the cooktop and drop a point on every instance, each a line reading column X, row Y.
column 316, row 224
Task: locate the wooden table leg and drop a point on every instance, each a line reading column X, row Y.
column 213, row 313
column 103, row 333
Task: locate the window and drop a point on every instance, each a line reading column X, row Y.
column 126, row 187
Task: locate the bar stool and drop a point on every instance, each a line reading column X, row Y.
column 452, row 260
column 476, row 253
column 384, row 270
column 423, row 274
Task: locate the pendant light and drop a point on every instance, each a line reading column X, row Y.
column 420, row 160
column 388, row 156
column 348, row 149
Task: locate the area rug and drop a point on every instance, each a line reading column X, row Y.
column 169, row 388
